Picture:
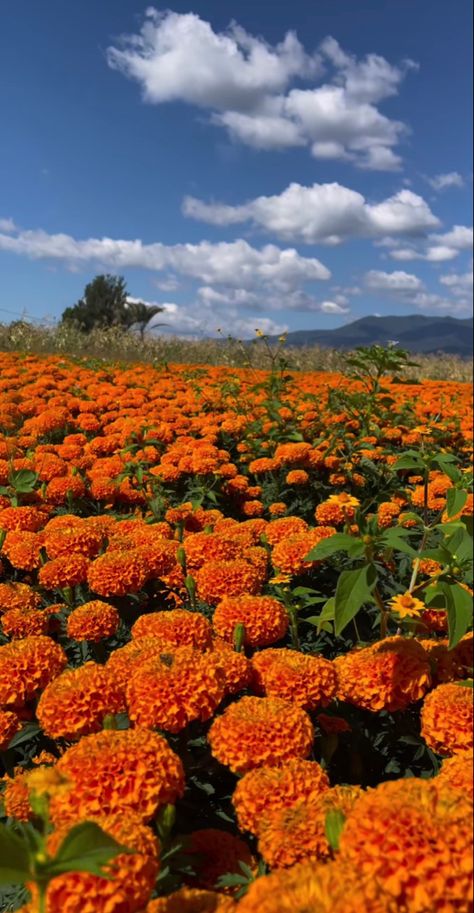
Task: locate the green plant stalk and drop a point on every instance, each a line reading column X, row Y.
column 295, row 638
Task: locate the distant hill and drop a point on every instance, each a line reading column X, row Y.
column 416, row 333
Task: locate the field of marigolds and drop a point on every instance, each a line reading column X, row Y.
column 235, row 638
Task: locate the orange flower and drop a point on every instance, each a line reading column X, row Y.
column 330, row 887
column 18, row 596
column 289, row 556
column 406, row 605
column 93, row 621
column 235, row 667
column 456, row 773
column 172, row 689
column 63, row 488
column 26, row 667
column 192, row 900
column 279, row 530
column 216, row 853
column 387, row 512
column 16, row 797
column 267, row 789
column 256, row 731
column 265, row 619
column 68, row 570
column 277, row 509
column 414, row 839
column 10, row 723
column 132, row 875
column 217, row 579
column 76, row 702
column 304, row 679
column 447, row 719
column 297, row 477
column 79, row 539
column 117, row 573
column 177, row 626
column 27, row 519
column 337, row 509
column 297, row 833
column 23, row 549
column 18, row 623
column 116, row 772
column 388, row 675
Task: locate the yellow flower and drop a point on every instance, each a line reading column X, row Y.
column 407, row 606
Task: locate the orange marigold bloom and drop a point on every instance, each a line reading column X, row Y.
column 435, row 620
column 330, row 887
column 68, row 570
column 262, row 465
column 122, row 661
column 456, row 773
column 18, row 596
column 447, row 719
column 130, row 770
column 449, row 665
column 252, row 508
column 265, row 619
column 26, row 667
column 235, row 667
column 291, row 454
column 176, row 626
column 256, row 731
column 76, row 702
column 27, row 519
column 217, row 579
column 414, row 839
column 406, row 605
column 304, row 679
column 16, row 797
column 23, row 549
column 93, row 621
column 79, row 539
column 172, row 689
column 387, row 512
column 217, row 853
column 266, row 789
column 388, row 675
column 289, row 556
column 132, row 875
column 18, row 623
column 279, row 530
column 62, row 488
column 297, row 477
column 117, row 573
column 297, row 833
column 192, row 900
column 10, row 723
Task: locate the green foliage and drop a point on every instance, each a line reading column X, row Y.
column 105, row 304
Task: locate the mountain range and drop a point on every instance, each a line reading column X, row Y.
column 416, row 333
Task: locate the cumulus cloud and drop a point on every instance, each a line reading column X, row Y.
column 444, row 181
column 398, row 281
column 324, row 213
column 7, row 225
column 248, row 87
column 437, row 248
column 459, row 284
column 332, row 307
column 406, row 288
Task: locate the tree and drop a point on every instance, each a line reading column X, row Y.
column 106, row 304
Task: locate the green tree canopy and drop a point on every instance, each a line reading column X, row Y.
column 105, row 304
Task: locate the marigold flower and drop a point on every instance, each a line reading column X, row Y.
column 447, row 719
column 456, row 773
column 235, row 667
column 132, row 875
column 78, row 539
column 435, row 620
column 176, row 626
column 117, row 573
column 297, row 477
column 18, row 623
column 329, row 887
column 266, row 789
column 297, row 833
column 216, row 853
column 16, row 797
column 26, row 667
column 68, row 570
column 387, row 512
column 18, row 596
column 76, row 702
column 449, row 665
column 10, row 723
column 23, row 549
column 388, row 675
column 337, row 509
column 414, row 839
column 279, row 530
column 256, row 731
column 265, row 619
column 63, row 488
column 406, row 605
column 217, row 579
column 130, row 770
column 169, row 691
column 304, row 679
column 93, row 621
column 26, row 519
column 289, row 556
column 291, row 454
column 192, row 900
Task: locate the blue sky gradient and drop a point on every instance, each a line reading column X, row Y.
column 84, row 156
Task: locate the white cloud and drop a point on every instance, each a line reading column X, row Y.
column 168, row 284
column 200, row 319
column 460, row 238
column 398, row 281
column 325, row 213
column 7, row 225
column 460, row 284
column 233, row 264
column 438, row 248
column 247, row 85
column 444, row 181
column 332, row 307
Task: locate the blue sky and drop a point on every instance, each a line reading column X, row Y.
column 244, row 164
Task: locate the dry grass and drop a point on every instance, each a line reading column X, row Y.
column 117, row 345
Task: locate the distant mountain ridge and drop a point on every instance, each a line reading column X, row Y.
column 416, row 333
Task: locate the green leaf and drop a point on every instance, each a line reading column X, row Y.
column 455, row 501
column 459, row 608
column 14, row 858
column 468, row 684
column 340, row 542
column 395, row 538
column 25, row 734
column 86, row 848
column 354, row 588
column 23, row 480
column 409, row 461
column 327, row 614
column 334, row 826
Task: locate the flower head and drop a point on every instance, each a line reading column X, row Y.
column 93, row 621
column 388, row 675
column 266, row 789
column 265, row 619
column 446, row 719
column 307, row 680
column 76, row 702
